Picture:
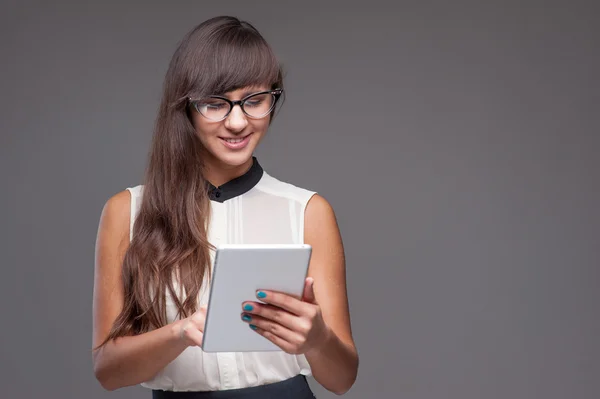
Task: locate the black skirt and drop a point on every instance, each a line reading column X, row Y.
column 293, row 388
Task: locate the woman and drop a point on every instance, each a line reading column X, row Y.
column 204, row 187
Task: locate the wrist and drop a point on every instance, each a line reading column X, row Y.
column 326, row 339
column 177, row 336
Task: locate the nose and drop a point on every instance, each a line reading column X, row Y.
column 236, row 120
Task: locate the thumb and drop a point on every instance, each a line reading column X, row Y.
column 309, row 292
column 199, row 318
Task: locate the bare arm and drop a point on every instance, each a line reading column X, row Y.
column 134, row 359
column 334, row 364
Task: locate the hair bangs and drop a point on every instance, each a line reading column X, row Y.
column 242, row 61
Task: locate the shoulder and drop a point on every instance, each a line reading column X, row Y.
column 321, row 229
column 121, row 203
column 113, row 229
column 273, row 186
column 135, row 191
column 319, row 212
column 116, row 210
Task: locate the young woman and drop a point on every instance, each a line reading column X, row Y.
column 204, row 187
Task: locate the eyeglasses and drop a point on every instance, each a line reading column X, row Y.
column 256, row 105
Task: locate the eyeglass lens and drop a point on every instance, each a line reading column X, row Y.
column 255, row 106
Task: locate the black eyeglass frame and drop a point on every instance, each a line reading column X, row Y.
column 232, row 103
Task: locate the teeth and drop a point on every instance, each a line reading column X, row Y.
column 234, row 141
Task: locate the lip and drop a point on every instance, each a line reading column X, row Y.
column 236, row 146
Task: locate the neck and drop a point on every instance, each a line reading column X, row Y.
column 219, row 173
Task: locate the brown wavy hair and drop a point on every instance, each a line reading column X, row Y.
column 170, row 232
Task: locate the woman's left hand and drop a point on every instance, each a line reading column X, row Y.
column 295, row 325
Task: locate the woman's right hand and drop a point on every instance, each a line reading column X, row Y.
column 191, row 329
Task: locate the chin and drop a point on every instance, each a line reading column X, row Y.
column 234, row 159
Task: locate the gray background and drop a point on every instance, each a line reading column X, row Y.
column 458, row 143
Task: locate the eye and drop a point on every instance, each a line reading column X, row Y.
column 254, row 103
column 212, row 104
column 257, row 100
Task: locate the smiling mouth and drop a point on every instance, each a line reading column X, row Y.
column 235, row 140
column 237, row 143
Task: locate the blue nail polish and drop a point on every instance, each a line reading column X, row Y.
column 246, row 317
column 261, row 294
column 252, row 326
column 248, row 307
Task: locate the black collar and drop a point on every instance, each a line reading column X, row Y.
column 237, row 186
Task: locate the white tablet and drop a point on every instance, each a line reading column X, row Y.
column 238, row 272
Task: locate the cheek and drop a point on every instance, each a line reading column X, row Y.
column 203, row 131
column 260, row 126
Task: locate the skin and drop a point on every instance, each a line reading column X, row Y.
column 223, row 164
column 316, row 325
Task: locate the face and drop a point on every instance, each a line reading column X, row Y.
column 230, row 143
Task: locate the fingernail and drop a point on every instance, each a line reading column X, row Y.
column 261, row 294
column 248, row 307
column 252, row 326
column 246, row 317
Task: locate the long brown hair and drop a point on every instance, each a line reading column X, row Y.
column 170, row 232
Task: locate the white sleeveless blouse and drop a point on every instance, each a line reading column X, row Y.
column 254, row 208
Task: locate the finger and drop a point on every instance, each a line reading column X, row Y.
column 192, row 333
column 276, row 315
column 272, row 327
column 280, row 342
column 309, row 292
column 199, row 318
column 281, row 300
column 286, row 339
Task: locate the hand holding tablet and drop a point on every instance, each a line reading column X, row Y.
column 294, row 325
column 253, row 275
